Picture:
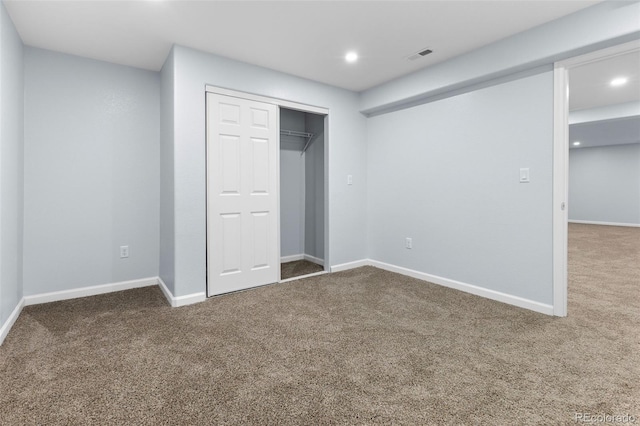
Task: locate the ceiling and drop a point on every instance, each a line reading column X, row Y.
column 589, row 85
column 304, row 38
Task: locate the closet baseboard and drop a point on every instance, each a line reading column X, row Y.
column 592, row 222
column 294, row 257
column 313, row 259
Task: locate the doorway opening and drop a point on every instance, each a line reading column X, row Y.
column 593, row 115
column 302, row 194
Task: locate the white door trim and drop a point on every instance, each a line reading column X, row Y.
column 275, row 101
column 560, row 187
column 561, row 164
column 327, row 216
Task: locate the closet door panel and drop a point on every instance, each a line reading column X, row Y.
column 229, row 164
column 260, row 158
column 261, row 240
column 230, row 233
column 242, row 194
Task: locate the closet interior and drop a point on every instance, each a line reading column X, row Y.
column 302, row 193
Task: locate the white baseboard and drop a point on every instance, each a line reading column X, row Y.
column 313, row 259
column 95, row 290
column 591, row 222
column 315, row 274
column 165, row 291
column 291, row 258
column 201, row 297
column 109, row 288
column 350, row 265
column 178, row 301
column 88, row 291
column 294, row 257
column 4, row 330
column 468, row 288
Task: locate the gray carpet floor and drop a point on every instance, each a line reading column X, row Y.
column 363, row 346
column 298, row 268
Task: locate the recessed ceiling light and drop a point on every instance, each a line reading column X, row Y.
column 576, row 143
column 619, row 81
column 351, row 57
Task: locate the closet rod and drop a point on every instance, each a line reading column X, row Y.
column 296, row 133
column 300, row 135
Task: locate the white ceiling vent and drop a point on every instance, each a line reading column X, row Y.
column 420, row 54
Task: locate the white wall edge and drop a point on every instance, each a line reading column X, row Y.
column 178, row 301
column 468, row 288
column 350, row 265
column 88, row 291
column 6, row 327
column 291, row 258
column 314, row 259
column 591, row 222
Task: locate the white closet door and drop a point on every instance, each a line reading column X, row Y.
column 242, row 194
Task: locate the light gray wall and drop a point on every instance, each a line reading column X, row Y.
column 347, row 155
column 602, row 25
column 604, row 184
column 292, row 184
column 11, row 165
column 614, row 131
column 607, row 112
column 167, row 205
column 314, row 188
column 91, row 172
column 447, row 175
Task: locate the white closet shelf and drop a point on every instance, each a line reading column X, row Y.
column 298, row 134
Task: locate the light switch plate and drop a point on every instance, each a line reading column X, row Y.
column 524, row 175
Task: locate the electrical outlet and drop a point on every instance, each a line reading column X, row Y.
column 408, row 243
column 124, row 252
